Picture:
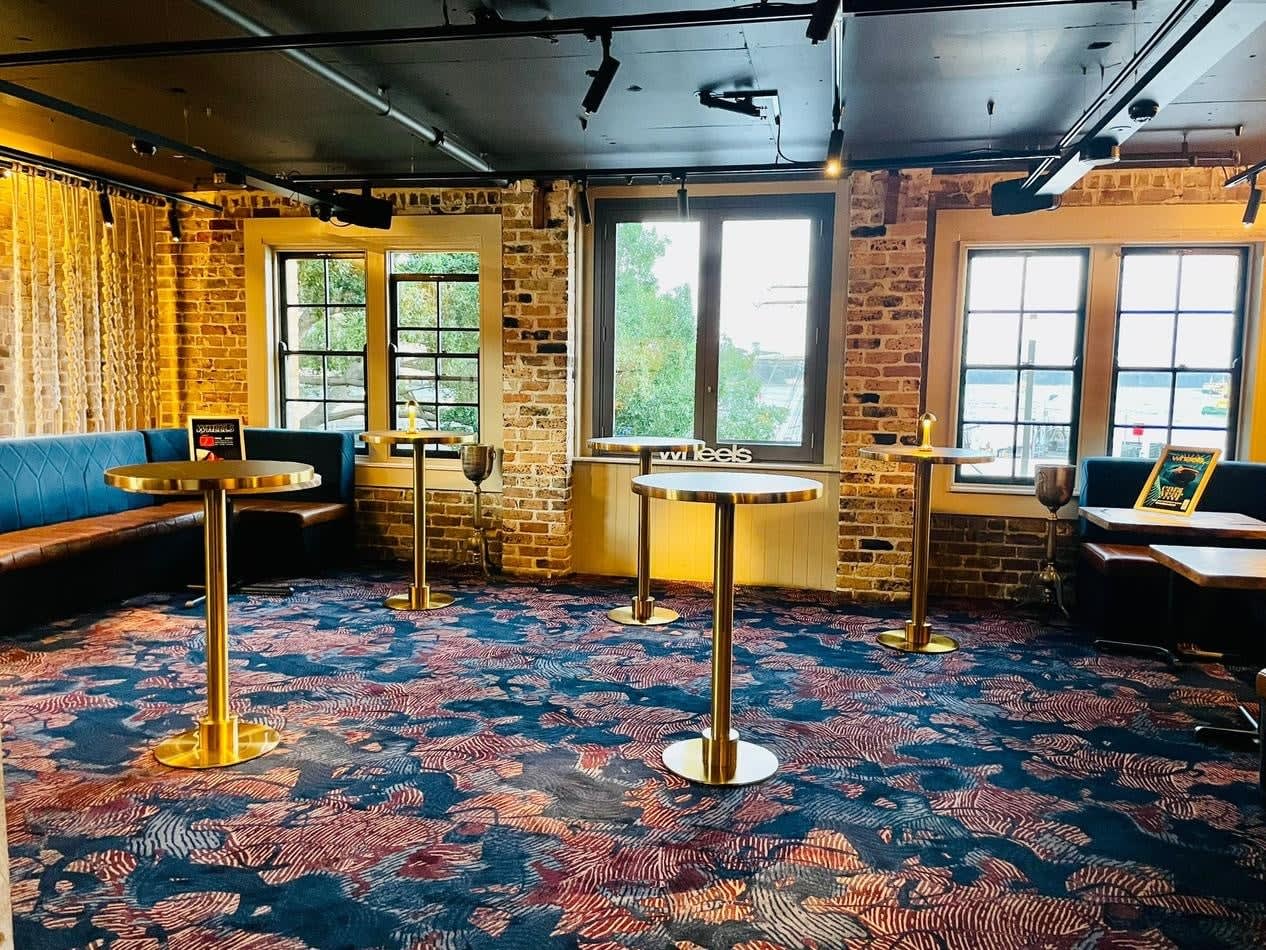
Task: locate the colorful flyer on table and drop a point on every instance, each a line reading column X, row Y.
column 216, row 439
column 1178, row 479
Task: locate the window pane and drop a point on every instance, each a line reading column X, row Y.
column 459, row 305
column 1145, row 339
column 415, row 303
column 994, row 282
column 460, row 341
column 1149, row 281
column 1210, row 282
column 434, row 262
column 427, row 416
column 1206, row 339
column 1049, row 339
column 345, row 416
column 1142, row 399
column 304, row 280
column 992, row 339
column 347, row 328
column 656, row 308
column 995, row 440
column 1053, row 282
column 1046, row 396
column 419, row 390
column 1200, row 438
column 764, row 323
column 346, row 280
column 304, row 377
column 1138, row 442
column 345, row 378
column 989, row 395
column 1041, row 445
column 305, row 328
column 417, row 341
column 305, row 415
column 1202, row 399
column 459, row 418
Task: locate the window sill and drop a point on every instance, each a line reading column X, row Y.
column 441, row 475
column 816, row 468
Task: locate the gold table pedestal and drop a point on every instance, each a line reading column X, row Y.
column 221, row 738
column 708, row 760
column 917, row 636
column 642, row 610
column 419, row 595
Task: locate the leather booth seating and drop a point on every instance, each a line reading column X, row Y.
column 68, row 540
column 1119, row 586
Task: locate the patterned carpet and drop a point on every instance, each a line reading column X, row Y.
column 488, row 776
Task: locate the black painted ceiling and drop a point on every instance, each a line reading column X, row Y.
column 917, row 83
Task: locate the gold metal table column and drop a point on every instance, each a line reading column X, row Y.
column 643, row 611
column 718, row 757
column 419, row 595
column 917, row 637
column 221, row 738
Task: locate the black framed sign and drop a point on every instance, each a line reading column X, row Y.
column 216, row 438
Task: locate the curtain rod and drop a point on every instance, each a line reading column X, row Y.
column 19, row 157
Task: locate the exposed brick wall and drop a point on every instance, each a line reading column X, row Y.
column 882, row 370
column 996, row 558
column 203, row 297
column 385, row 525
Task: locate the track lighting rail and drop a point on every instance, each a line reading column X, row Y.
column 19, row 157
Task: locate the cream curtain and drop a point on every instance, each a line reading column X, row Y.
column 79, row 329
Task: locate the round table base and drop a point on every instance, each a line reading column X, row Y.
column 753, row 763
column 659, row 616
column 429, row 600
column 898, row 640
column 186, row 750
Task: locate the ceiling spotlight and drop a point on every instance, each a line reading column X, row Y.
column 107, row 212
column 602, row 77
column 582, row 203
column 173, row 222
column 322, row 211
column 732, row 102
column 822, row 19
column 683, row 200
column 143, row 148
column 1254, row 203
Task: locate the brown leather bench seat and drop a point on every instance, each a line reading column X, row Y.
column 1120, row 560
column 304, row 513
column 30, row 547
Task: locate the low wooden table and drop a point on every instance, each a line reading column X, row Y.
column 643, row 611
column 419, row 595
column 220, row 737
column 1210, row 525
column 917, row 637
column 718, row 757
column 1221, row 569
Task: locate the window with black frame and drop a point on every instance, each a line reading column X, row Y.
column 714, row 327
column 1177, row 368
column 1020, row 372
column 434, row 341
column 321, row 341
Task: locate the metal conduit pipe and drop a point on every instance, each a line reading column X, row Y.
column 428, row 133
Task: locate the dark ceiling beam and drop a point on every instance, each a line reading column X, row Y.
column 492, row 29
column 19, row 157
column 1177, row 59
column 371, row 212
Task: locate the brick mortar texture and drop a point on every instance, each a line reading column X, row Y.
column 202, row 298
column 883, row 340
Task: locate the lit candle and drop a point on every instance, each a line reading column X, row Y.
column 413, row 416
column 925, row 430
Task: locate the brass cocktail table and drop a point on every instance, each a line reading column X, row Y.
column 419, row 595
column 643, row 611
column 918, row 637
column 220, row 738
column 718, row 757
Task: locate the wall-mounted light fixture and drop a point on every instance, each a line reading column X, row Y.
column 602, row 77
column 582, row 204
column 107, row 212
column 173, row 223
column 737, row 102
column 834, row 165
column 683, row 200
column 1254, row 203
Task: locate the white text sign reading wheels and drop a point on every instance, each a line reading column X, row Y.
column 733, row 453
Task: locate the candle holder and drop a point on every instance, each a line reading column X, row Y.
column 478, row 461
column 411, row 408
column 1053, row 485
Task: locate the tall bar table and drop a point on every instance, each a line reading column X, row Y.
column 220, row 737
column 918, row 637
column 642, row 611
column 718, row 757
column 419, row 596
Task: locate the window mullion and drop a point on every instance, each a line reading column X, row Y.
column 708, row 340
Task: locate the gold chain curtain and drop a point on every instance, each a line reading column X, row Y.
column 79, row 328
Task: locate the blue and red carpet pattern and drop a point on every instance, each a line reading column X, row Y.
column 488, row 776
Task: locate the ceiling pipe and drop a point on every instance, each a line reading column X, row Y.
column 19, row 157
column 359, row 209
column 430, row 134
column 491, row 29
